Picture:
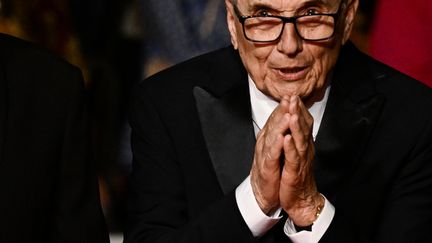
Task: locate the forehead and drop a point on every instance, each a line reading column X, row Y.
column 288, row 5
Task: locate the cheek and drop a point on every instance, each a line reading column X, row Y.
column 324, row 61
column 255, row 52
column 255, row 58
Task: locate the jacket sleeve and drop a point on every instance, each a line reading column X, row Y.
column 78, row 215
column 158, row 203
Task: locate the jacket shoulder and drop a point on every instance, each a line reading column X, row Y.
column 360, row 70
column 209, row 69
column 23, row 63
column 18, row 54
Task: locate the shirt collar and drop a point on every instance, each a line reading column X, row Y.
column 263, row 105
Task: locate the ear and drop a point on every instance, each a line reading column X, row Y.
column 349, row 19
column 231, row 21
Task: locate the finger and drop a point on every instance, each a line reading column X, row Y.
column 297, row 107
column 292, row 159
column 300, row 129
column 300, row 133
column 304, row 112
column 289, row 174
column 265, row 173
column 294, row 106
column 296, row 169
column 277, row 121
column 272, row 154
column 269, row 138
column 282, row 108
column 296, row 160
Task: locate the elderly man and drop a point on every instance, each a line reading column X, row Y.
column 291, row 134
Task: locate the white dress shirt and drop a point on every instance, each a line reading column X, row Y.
column 258, row 222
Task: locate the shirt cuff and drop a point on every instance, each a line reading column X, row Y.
column 257, row 221
column 319, row 227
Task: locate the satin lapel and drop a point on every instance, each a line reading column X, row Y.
column 352, row 110
column 227, row 128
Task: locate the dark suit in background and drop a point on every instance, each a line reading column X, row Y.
column 48, row 184
column 193, row 144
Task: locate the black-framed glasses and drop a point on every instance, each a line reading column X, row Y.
column 310, row 27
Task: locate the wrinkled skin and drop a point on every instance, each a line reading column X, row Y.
column 295, row 73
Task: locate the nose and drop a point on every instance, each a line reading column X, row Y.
column 289, row 43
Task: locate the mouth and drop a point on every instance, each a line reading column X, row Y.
column 292, row 73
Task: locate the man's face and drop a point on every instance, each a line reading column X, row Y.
column 290, row 65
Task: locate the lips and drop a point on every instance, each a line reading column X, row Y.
column 292, row 70
column 292, row 73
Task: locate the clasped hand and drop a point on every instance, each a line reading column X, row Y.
column 281, row 174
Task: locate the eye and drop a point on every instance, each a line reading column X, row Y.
column 262, row 13
column 311, row 11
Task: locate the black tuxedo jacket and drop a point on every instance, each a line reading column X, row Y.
column 193, row 144
column 48, row 186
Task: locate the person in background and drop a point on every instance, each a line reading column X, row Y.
column 48, row 181
column 289, row 135
column 178, row 30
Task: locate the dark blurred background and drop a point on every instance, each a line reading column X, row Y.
column 117, row 43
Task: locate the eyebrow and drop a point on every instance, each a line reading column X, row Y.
column 254, row 6
column 257, row 6
column 315, row 3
